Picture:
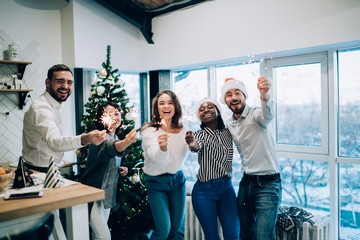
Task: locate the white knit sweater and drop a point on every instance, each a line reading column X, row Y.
column 158, row 162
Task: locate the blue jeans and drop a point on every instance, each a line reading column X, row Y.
column 213, row 199
column 259, row 200
column 166, row 194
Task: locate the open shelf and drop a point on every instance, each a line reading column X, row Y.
column 22, row 95
column 21, row 66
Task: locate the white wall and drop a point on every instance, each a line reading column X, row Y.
column 225, row 29
column 37, row 33
column 96, row 27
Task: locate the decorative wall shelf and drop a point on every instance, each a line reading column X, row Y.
column 22, row 95
column 20, row 72
column 21, row 66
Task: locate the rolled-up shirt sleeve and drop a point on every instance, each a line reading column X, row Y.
column 264, row 115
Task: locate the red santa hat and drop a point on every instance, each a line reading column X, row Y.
column 232, row 83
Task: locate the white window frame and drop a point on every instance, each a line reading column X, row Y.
column 321, row 58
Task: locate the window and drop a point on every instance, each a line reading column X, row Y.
column 349, row 104
column 132, row 86
column 349, row 200
column 308, row 141
column 190, row 87
column 348, row 143
column 301, row 103
column 305, row 184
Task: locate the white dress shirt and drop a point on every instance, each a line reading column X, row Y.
column 158, row 162
column 253, row 139
column 42, row 133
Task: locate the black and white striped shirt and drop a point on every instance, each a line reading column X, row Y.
column 215, row 153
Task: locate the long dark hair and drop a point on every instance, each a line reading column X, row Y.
column 100, row 111
column 156, row 120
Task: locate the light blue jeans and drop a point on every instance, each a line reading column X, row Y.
column 259, row 200
column 167, row 193
column 213, row 199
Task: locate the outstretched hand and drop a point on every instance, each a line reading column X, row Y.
column 131, row 136
column 95, row 137
column 189, row 137
column 190, row 140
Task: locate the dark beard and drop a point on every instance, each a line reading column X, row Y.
column 53, row 94
column 238, row 111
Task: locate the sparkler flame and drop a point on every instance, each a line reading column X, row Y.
column 161, row 122
column 108, row 119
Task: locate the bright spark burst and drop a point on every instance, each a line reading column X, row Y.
column 108, row 119
column 162, row 122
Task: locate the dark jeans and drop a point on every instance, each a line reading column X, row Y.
column 166, row 194
column 213, row 199
column 259, row 200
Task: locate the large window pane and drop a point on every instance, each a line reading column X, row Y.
column 132, row 86
column 349, row 104
column 349, row 201
column 298, row 104
column 306, row 185
column 191, row 86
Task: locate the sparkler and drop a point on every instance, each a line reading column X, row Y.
column 108, row 119
column 162, row 122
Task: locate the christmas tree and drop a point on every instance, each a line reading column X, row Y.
column 131, row 218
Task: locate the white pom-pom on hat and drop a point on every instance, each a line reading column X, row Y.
column 232, row 83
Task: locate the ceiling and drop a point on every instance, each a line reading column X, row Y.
column 141, row 12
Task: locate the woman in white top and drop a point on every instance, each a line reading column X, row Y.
column 165, row 151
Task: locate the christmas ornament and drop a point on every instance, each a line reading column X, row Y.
column 22, row 176
column 136, row 177
column 100, row 90
column 102, row 73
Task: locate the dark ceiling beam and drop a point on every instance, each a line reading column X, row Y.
column 175, row 7
column 132, row 14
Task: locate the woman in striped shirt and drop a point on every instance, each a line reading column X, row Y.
column 213, row 194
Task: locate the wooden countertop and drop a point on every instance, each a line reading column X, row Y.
column 52, row 199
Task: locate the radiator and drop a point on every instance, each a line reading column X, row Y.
column 318, row 231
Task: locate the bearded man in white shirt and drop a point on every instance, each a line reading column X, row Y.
column 260, row 188
column 42, row 131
